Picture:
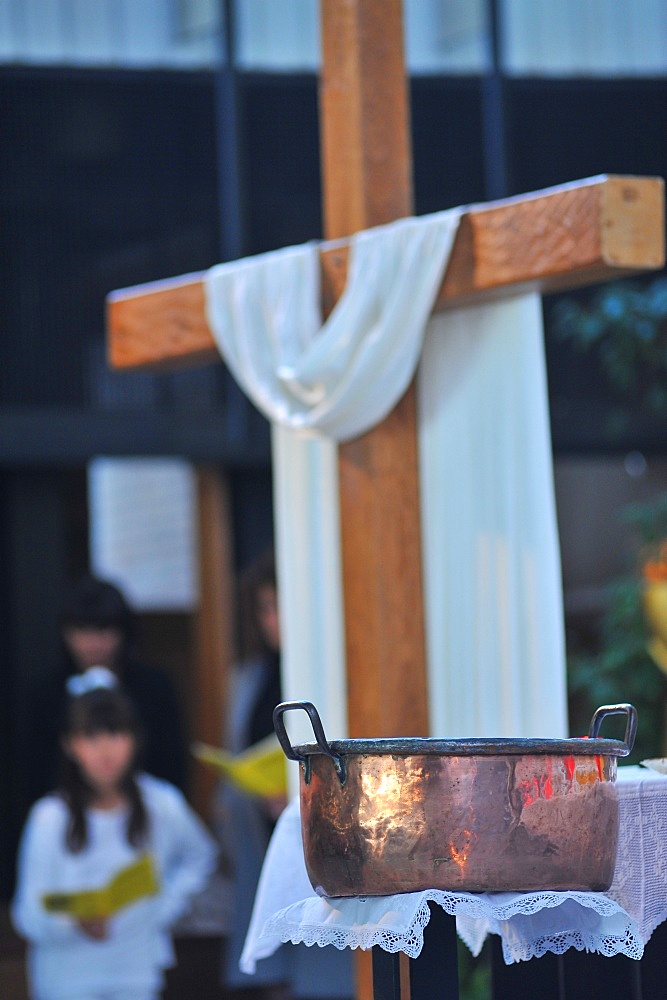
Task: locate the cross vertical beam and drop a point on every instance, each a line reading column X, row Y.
column 364, row 121
column 367, row 181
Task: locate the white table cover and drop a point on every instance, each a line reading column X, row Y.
column 619, row 921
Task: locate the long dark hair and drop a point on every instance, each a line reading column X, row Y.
column 100, row 710
column 95, row 603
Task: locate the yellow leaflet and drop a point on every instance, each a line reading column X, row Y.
column 260, row 770
column 127, row 886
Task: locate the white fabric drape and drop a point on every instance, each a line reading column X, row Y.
column 305, row 486
column 497, row 560
column 344, row 376
column 317, row 383
column 494, row 617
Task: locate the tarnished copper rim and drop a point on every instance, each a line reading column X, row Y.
column 415, row 746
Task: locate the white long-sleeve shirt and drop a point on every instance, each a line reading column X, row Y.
column 61, row 959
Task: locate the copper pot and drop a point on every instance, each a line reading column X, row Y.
column 380, row 816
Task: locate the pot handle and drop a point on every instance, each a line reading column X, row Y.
column 318, row 730
column 630, row 727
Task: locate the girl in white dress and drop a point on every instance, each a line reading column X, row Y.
column 104, row 817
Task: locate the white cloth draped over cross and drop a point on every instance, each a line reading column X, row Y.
column 490, row 551
column 344, row 376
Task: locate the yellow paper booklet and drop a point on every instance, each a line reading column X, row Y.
column 260, row 770
column 130, row 884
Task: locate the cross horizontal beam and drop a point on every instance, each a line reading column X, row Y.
column 586, row 232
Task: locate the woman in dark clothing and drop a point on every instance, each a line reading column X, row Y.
column 293, row 972
column 246, row 822
column 98, row 628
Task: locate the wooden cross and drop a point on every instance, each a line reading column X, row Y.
column 581, row 233
column 586, row 232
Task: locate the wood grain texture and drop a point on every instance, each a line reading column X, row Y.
column 382, row 578
column 160, row 325
column 364, row 131
column 595, row 230
column 367, row 181
column 589, row 231
column 213, row 623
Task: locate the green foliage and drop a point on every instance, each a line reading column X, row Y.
column 625, row 325
column 649, row 520
column 474, row 973
column 623, row 669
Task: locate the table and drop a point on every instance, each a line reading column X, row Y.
column 617, row 922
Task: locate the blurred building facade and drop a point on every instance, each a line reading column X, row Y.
column 150, row 138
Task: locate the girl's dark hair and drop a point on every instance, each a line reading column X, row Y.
column 95, row 603
column 101, row 710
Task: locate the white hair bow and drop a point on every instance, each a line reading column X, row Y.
column 89, row 680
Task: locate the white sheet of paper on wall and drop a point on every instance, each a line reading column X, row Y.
column 143, row 533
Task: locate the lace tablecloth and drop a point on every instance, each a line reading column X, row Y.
column 619, row 921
